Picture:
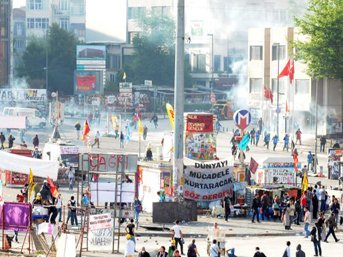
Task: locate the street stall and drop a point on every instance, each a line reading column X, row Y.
column 12, row 178
column 200, row 140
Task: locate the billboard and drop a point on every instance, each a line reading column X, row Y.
column 22, row 95
column 87, row 81
column 201, row 123
column 91, row 52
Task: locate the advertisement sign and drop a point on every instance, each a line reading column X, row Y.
column 100, row 232
column 125, row 163
column 16, row 178
column 334, row 159
column 277, row 171
column 22, row 95
column 87, row 81
column 201, row 123
column 208, row 181
column 91, row 52
column 242, row 118
column 197, row 28
column 69, row 149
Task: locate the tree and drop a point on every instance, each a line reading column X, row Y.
column 322, row 50
column 154, row 52
column 61, row 46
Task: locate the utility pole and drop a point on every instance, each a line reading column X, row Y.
column 316, row 130
column 179, row 94
column 277, row 89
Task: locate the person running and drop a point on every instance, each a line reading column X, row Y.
column 177, row 235
column 316, row 241
column 275, row 140
column 298, row 136
column 96, row 139
column 267, row 140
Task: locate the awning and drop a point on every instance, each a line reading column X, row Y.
column 22, row 164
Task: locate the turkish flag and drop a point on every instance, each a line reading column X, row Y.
column 86, row 130
column 268, row 94
column 288, row 70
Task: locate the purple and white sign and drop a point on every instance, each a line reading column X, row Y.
column 15, row 216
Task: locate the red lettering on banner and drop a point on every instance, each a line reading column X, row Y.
column 112, row 161
column 191, row 195
column 93, row 162
column 102, row 163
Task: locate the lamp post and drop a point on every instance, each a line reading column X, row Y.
column 277, row 89
column 211, row 83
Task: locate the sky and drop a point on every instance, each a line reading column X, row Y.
column 107, row 17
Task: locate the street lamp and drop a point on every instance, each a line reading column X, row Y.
column 211, row 83
column 277, row 88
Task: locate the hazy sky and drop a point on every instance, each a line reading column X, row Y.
column 104, row 16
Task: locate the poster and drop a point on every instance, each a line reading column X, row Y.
column 100, row 232
column 208, row 181
column 277, row 171
column 200, row 146
column 15, row 216
column 102, row 192
column 200, row 123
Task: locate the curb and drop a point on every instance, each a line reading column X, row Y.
column 193, row 235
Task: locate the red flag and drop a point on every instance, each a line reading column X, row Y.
column 268, row 94
column 53, row 188
column 288, row 70
column 287, row 108
column 253, row 165
column 296, row 161
column 86, row 130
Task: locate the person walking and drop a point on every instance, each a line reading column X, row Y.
column 59, row 205
column 171, row 248
column 143, row 253
column 322, row 143
column 298, row 136
column 330, row 222
column 71, row 177
column 307, row 221
column 316, row 241
column 145, row 132
column 256, row 203
column 214, row 249
column 227, row 206
column 10, row 141
column 138, row 209
column 177, row 235
column 335, row 208
column 299, row 252
column 35, row 141
column 96, row 139
column 72, row 211
column 285, row 142
column 260, row 125
column 2, row 140
column 192, row 250
column 154, row 119
column 275, row 140
column 130, row 230
column 258, row 134
column 252, row 136
column 286, row 217
column 258, row 253
column 122, row 139
column 267, row 140
column 287, row 252
column 78, row 129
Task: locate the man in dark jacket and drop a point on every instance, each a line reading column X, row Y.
column 10, row 141
column 256, row 203
column 300, row 253
column 331, row 224
column 2, row 140
column 35, row 141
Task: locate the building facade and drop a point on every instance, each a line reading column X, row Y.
column 5, row 42
column 269, row 51
column 19, row 34
column 68, row 14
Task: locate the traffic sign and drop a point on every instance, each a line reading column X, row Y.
column 242, row 118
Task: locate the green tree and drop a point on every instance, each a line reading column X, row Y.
column 322, row 50
column 61, row 46
column 154, row 53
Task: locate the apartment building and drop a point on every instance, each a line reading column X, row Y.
column 69, row 14
column 269, row 51
column 5, row 42
column 19, row 34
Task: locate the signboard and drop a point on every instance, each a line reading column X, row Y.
column 197, row 28
column 22, row 95
column 69, row 149
column 208, row 181
column 148, row 83
column 242, row 118
column 100, row 232
column 16, row 178
column 91, row 52
column 124, row 163
column 102, row 192
column 200, row 123
column 87, row 81
column 277, row 171
column 15, row 216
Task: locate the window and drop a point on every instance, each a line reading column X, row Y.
column 216, row 63
column 282, row 52
column 112, row 78
column 113, row 62
column 45, row 23
column 77, row 8
column 30, row 23
column 282, row 89
column 255, row 85
column 135, row 12
column 35, row 4
column 199, row 63
column 19, row 29
column 302, row 86
column 256, row 53
column 161, row 11
column 64, row 5
column 64, row 23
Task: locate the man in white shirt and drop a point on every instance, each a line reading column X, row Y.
column 177, row 235
column 130, row 247
column 214, row 249
column 287, row 252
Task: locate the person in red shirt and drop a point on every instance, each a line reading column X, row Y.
column 20, row 198
column 303, row 202
column 298, row 136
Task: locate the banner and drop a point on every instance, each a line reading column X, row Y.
column 171, row 115
column 200, row 123
column 207, row 181
column 15, row 216
column 85, row 83
column 100, row 232
column 22, row 95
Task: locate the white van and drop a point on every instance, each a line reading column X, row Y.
column 33, row 116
